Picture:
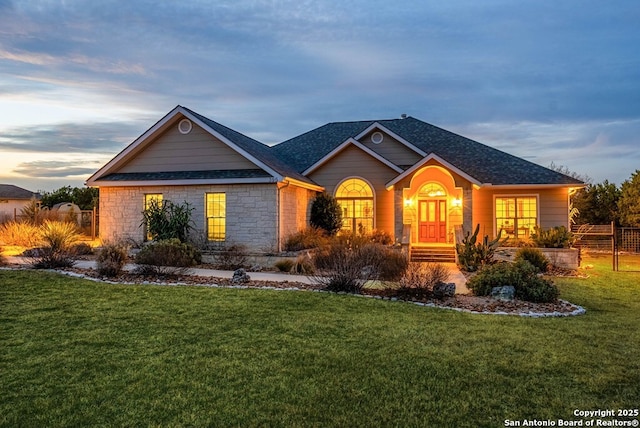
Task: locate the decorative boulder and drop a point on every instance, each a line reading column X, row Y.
column 508, row 292
column 444, row 289
column 240, row 276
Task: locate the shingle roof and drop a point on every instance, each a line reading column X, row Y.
column 9, row 191
column 484, row 163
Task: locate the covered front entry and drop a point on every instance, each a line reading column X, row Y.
column 432, row 223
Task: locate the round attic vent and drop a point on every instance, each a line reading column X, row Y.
column 185, row 126
column 377, row 137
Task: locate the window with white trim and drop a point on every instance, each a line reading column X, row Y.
column 151, row 200
column 355, row 197
column 216, row 217
column 517, row 216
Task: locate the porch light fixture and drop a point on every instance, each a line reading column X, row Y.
column 408, row 202
column 456, row 202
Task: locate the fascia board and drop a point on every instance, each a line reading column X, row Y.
column 185, row 182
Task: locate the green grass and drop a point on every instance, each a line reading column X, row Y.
column 79, row 353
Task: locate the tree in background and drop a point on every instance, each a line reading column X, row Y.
column 597, row 203
column 84, row 197
column 629, row 202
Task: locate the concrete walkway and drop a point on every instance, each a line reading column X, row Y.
column 456, row 276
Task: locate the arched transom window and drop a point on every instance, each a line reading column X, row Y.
column 432, row 190
column 355, row 197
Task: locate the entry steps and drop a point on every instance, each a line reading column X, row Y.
column 433, row 254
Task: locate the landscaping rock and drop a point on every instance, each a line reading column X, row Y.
column 508, row 292
column 444, row 289
column 240, row 276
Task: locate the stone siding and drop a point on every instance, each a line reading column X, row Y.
column 251, row 217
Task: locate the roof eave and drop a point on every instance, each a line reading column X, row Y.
column 182, row 182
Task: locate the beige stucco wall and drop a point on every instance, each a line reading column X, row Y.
column 251, row 211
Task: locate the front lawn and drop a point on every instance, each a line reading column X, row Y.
column 80, row 353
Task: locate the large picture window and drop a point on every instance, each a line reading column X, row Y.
column 216, row 217
column 517, row 216
column 355, row 197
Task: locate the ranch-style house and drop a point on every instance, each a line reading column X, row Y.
column 413, row 180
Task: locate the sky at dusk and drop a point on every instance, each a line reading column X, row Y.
column 549, row 81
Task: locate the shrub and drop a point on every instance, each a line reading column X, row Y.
column 326, row 214
column 311, row 237
column 284, row 265
column 380, row 237
column 556, row 237
column 389, row 264
column 533, row 256
column 231, row 256
column 166, row 257
column 301, row 265
column 82, row 249
column 21, row 234
column 347, row 264
column 419, row 279
column 58, row 238
column 111, row 259
column 165, row 220
column 522, row 275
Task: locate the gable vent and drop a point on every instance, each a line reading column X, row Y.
column 185, row 126
column 377, row 137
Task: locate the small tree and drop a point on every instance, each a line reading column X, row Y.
column 326, row 214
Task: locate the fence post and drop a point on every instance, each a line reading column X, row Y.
column 93, row 224
column 614, row 246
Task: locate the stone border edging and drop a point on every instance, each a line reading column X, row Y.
column 579, row 310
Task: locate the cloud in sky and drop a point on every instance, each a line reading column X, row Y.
column 549, row 81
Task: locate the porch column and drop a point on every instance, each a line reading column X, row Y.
column 398, row 206
column 467, row 209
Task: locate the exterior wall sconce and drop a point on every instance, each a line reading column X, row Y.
column 456, row 202
column 408, row 202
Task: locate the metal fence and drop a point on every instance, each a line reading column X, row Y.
column 629, row 239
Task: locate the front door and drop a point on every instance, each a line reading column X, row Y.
column 433, row 221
